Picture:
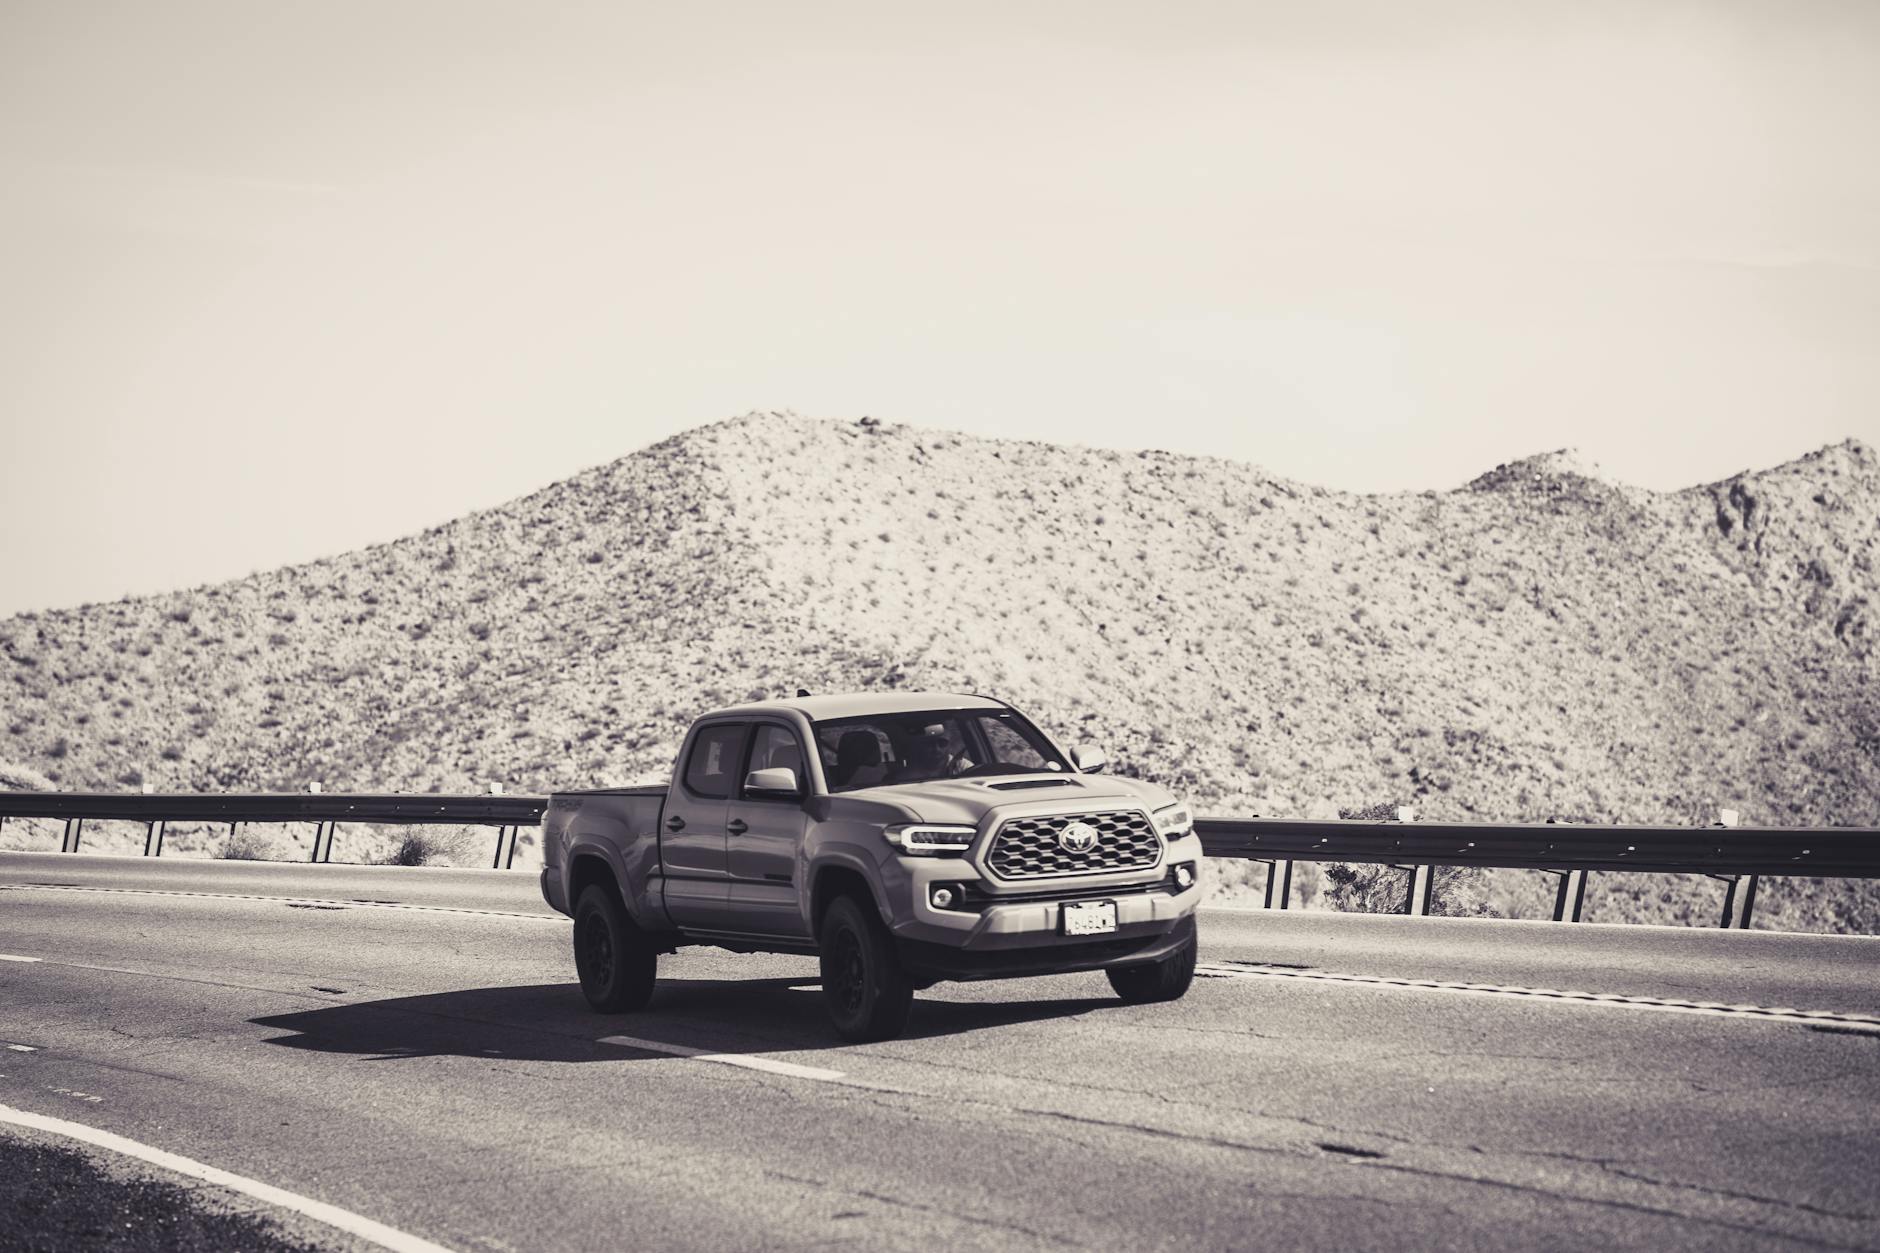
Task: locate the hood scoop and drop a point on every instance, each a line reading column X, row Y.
column 1027, row 784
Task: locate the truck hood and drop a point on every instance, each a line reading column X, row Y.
column 966, row 801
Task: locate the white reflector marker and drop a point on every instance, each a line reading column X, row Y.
column 766, row 1064
column 332, row 1215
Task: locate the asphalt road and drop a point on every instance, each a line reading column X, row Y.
column 427, row 1061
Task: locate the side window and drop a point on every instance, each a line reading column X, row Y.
column 709, row 770
column 854, row 754
column 775, row 748
column 1010, row 746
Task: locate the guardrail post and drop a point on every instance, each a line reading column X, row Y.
column 1571, row 896
column 163, row 825
column 322, row 834
column 1422, row 881
column 1749, row 903
column 150, row 827
column 1278, row 875
column 1735, row 915
column 505, row 835
column 1731, row 916
column 74, row 827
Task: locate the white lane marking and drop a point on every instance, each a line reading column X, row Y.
column 8, row 957
column 1612, row 1000
column 332, row 1215
column 767, row 1064
column 289, row 900
column 213, row 983
column 21, row 1048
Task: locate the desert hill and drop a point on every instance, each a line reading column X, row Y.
column 1540, row 642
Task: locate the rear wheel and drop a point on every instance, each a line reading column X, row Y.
column 617, row 966
column 1165, row 980
column 868, row 994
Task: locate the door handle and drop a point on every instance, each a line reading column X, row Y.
column 675, row 823
column 736, row 826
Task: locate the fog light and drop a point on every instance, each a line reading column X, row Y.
column 943, row 897
column 1184, row 875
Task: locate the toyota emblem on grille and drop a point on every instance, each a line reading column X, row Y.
column 1078, row 837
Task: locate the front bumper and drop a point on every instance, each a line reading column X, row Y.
column 1129, row 946
column 1017, row 928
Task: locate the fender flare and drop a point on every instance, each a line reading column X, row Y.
column 588, row 846
column 841, row 857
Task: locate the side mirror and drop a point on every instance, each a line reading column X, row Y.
column 777, row 783
column 1089, row 759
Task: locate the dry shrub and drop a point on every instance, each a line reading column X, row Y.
column 246, row 844
column 428, row 846
column 1455, row 891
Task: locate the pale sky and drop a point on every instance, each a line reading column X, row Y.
column 279, row 280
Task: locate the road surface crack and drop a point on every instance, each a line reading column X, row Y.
column 1554, row 1194
column 996, row 1224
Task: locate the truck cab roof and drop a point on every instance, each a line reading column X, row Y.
column 860, row 705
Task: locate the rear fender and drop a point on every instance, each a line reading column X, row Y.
column 632, row 881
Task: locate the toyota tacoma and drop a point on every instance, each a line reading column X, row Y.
column 901, row 838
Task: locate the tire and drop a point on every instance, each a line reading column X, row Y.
column 868, row 995
column 617, row 966
column 1152, row 982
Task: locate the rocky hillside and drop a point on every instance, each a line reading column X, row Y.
column 1541, row 642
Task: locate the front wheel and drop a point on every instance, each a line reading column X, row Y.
column 1165, row 980
column 868, row 994
column 617, row 966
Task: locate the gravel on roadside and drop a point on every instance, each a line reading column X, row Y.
column 55, row 1199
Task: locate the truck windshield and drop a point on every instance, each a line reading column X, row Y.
column 935, row 744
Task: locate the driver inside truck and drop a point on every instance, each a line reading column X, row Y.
column 929, row 755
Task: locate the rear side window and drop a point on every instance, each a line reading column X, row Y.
column 709, row 770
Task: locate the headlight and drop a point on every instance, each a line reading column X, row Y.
column 924, row 840
column 1174, row 821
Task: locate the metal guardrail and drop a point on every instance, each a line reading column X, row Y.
column 325, row 809
column 1568, row 851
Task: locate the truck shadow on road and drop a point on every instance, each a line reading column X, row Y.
column 550, row 1022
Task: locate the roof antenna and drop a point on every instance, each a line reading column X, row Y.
column 802, row 691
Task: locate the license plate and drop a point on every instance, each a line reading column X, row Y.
column 1089, row 918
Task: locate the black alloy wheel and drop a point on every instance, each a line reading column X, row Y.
column 868, row 995
column 618, row 968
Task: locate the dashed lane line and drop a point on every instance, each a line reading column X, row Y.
column 176, row 978
column 1861, row 1023
column 332, row 1215
column 9, row 957
column 767, row 1064
column 285, row 900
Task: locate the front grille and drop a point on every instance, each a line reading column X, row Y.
column 1028, row 848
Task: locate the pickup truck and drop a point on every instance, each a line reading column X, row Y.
column 901, row 838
